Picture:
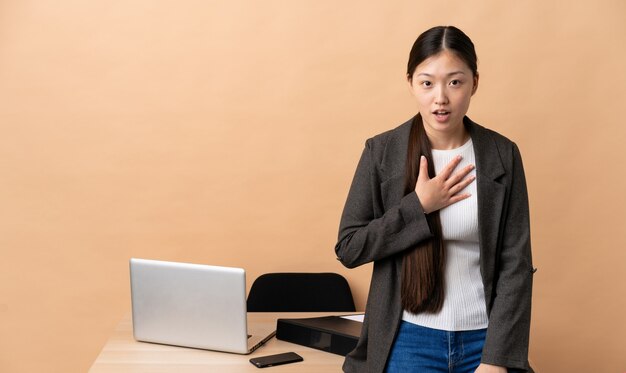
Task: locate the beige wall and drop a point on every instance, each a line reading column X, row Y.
column 228, row 133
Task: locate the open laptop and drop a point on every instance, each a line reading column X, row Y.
column 192, row 305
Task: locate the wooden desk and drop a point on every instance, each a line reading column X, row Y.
column 122, row 354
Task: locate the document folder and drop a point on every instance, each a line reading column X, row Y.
column 331, row 333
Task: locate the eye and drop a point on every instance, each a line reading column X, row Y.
column 426, row 84
column 455, row 82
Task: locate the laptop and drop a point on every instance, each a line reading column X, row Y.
column 192, row 305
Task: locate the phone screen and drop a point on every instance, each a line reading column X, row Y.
column 271, row 360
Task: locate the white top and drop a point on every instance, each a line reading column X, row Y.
column 464, row 305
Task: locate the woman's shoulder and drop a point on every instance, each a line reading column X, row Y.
column 390, row 139
column 478, row 130
column 388, row 149
column 492, row 142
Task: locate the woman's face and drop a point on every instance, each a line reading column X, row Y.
column 443, row 86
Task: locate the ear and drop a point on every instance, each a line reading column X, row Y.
column 475, row 87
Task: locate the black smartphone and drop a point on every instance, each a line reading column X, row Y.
column 279, row 359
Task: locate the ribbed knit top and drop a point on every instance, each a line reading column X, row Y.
column 464, row 303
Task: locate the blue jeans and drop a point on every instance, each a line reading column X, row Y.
column 424, row 350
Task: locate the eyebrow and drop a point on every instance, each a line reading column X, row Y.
column 450, row 74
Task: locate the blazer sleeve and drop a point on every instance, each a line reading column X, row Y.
column 506, row 343
column 366, row 232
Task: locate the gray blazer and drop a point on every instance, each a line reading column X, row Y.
column 379, row 222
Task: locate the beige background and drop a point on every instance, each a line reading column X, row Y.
column 228, row 132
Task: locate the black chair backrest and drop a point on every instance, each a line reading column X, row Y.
column 300, row 292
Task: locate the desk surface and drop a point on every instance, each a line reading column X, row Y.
column 122, row 353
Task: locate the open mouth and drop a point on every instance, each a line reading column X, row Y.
column 441, row 114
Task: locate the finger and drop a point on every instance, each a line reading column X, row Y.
column 458, row 197
column 447, row 171
column 458, row 176
column 423, row 175
column 461, row 185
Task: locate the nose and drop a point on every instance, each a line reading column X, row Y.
column 441, row 98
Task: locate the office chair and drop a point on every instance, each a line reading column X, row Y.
column 300, row 292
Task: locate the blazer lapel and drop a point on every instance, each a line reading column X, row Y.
column 490, row 195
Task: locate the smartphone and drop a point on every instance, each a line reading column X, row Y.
column 279, row 359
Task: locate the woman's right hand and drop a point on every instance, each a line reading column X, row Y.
column 443, row 189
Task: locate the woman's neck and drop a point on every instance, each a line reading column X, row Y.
column 441, row 140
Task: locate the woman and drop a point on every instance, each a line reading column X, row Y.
column 439, row 204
